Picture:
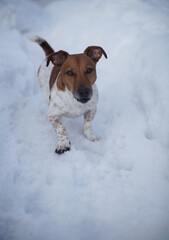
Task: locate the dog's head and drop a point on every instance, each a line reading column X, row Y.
column 78, row 71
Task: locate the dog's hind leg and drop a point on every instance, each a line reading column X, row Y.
column 88, row 132
column 63, row 143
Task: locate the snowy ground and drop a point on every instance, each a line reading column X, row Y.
column 114, row 189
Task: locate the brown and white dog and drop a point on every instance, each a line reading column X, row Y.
column 68, row 84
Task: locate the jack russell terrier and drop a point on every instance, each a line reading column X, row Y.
column 68, row 84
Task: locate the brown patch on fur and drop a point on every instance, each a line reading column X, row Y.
column 54, row 73
column 78, row 64
column 60, row 84
column 56, row 121
column 47, row 48
column 51, row 119
column 95, row 53
column 57, row 58
column 87, row 119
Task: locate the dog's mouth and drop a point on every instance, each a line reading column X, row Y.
column 83, row 100
column 83, row 94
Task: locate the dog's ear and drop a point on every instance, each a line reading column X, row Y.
column 57, row 58
column 95, row 53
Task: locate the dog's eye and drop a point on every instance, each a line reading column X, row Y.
column 89, row 70
column 70, row 73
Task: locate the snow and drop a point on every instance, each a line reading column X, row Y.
column 117, row 188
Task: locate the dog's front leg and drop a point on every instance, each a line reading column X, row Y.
column 63, row 143
column 88, row 132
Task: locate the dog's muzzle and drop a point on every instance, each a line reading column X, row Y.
column 83, row 94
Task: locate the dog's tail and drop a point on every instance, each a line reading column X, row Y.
column 43, row 43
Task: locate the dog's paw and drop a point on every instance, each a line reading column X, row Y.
column 92, row 136
column 62, row 148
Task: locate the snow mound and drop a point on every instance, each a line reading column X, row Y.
column 117, row 188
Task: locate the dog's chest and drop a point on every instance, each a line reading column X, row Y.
column 64, row 104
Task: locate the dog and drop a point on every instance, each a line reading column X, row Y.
column 68, row 84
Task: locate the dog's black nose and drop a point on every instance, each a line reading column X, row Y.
column 84, row 92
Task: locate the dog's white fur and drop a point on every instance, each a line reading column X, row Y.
column 62, row 103
column 61, row 100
